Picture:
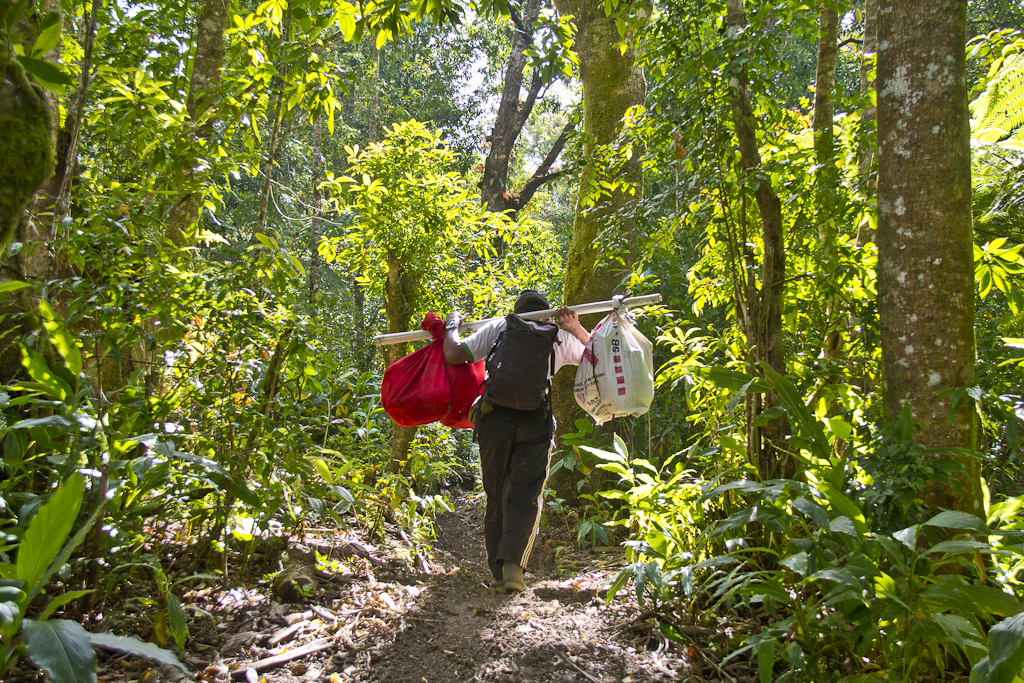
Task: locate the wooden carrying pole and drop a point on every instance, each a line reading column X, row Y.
column 581, row 309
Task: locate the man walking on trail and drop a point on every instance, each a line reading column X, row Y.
column 515, row 426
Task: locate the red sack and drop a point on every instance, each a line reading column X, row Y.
column 422, row 387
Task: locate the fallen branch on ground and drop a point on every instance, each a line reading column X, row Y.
column 285, row 657
column 573, row 665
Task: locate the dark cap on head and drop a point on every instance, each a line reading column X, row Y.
column 530, row 300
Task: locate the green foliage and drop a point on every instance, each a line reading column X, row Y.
column 414, row 219
column 996, row 134
column 169, row 620
column 1005, row 658
column 998, row 112
column 60, row 646
column 223, row 378
column 846, row 565
column 411, row 211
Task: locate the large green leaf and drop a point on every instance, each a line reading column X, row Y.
column 48, row 74
column 62, row 648
column 48, row 421
column 747, row 486
column 48, row 37
column 176, row 620
column 769, row 516
column 956, row 547
column 908, row 536
column 1005, row 653
column 842, row 504
column 38, row 369
column 954, row 519
column 842, row 525
column 952, row 598
column 9, row 612
column 812, row 510
column 62, row 600
column 65, row 552
column 794, row 403
column 603, row 455
column 12, row 286
column 49, row 529
column 992, row 600
column 765, row 659
column 62, row 339
column 135, row 647
column 728, row 379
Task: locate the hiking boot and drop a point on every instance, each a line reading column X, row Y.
column 514, row 582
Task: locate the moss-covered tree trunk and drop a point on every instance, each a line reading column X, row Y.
column 29, row 127
column 28, row 123
column 612, row 83
column 925, row 257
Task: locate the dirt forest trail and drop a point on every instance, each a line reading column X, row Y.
column 558, row 630
column 383, row 620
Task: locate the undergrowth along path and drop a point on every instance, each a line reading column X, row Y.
column 384, row 620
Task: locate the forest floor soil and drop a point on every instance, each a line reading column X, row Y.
column 382, row 617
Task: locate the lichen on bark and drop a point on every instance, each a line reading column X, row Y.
column 925, row 241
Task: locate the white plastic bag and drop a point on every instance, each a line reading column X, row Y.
column 616, row 375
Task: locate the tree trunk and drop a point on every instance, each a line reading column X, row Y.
column 73, row 127
column 868, row 150
column 275, row 132
column 512, row 113
column 827, row 173
column 206, row 66
column 29, row 126
column 925, row 257
column 612, row 83
column 374, row 105
column 766, row 446
column 826, row 178
column 314, row 224
column 364, row 350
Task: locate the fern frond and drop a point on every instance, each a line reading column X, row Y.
column 998, row 113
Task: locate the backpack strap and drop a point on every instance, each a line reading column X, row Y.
column 557, row 341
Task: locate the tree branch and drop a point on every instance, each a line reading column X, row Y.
column 556, row 149
column 541, row 175
column 517, row 20
column 531, row 187
column 531, row 99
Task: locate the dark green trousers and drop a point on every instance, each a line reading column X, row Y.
column 515, row 446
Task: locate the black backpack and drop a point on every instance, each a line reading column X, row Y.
column 519, row 362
